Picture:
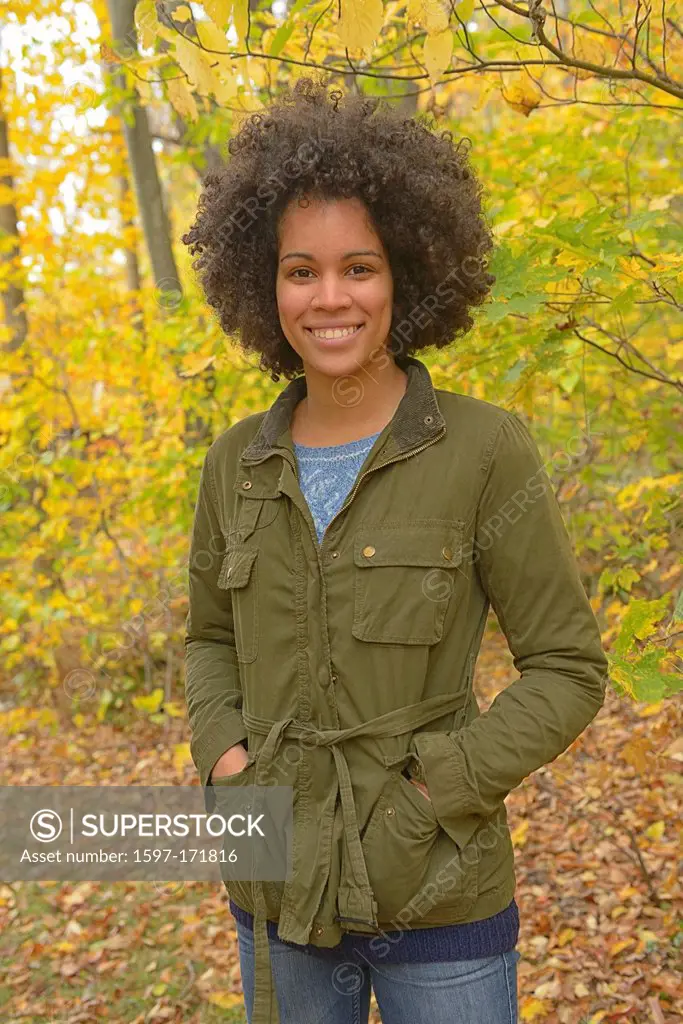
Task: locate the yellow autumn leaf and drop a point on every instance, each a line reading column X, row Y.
column 175, row 709
column 437, row 53
column 219, row 11
column 240, row 19
column 181, row 98
column 620, row 946
column 465, row 10
column 627, row 892
column 181, row 754
column 212, row 38
column 226, row 1000
column 429, row 13
column 182, row 14
column 590, row 51
column 619, row 676
column 224, row 85
column 193, row 62
column 150, row 702
column 523, row 96
column 519, row 834
column 651, row 709
column 565, row 936
column 637, row 753
column 146, row 23
column 656, row 830
column 485, row 86
column 360, row 23
column 221, row 66
column 533, row 1009
column 194, row 364
column 144, row 90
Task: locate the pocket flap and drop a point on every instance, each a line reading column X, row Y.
column 236, row 568
column 431, row 543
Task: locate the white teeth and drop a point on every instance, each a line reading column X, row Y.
column 336, row 332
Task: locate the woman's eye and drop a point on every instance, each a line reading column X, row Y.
column 305, row 270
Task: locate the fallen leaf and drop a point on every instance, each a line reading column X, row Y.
column 226, row 1000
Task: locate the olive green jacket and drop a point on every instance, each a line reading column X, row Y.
column 343, row 663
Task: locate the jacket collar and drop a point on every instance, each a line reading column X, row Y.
column 416, row 419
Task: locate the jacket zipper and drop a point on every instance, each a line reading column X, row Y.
column 373, row 469
column 354, row 489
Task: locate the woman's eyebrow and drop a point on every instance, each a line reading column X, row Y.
column 345, row 256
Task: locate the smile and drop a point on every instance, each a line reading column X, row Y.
column 334, row 333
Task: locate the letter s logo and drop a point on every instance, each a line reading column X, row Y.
column 46, row 825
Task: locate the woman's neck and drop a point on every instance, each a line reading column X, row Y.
column 330, row 415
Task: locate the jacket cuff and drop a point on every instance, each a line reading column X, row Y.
column 206, row 748
column 444, row 776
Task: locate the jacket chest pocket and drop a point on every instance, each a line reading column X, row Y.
column 404, row 576
column 238, row 575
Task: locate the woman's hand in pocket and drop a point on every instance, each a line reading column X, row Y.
column 229, row 763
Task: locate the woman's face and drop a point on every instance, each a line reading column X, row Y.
column 333, row 277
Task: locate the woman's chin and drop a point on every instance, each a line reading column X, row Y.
column 336, row 361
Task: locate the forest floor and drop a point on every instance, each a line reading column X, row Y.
column 596, row 836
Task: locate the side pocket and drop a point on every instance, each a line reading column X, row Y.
column 239, row 778
column 397, row 844
column 239, row 575
column 240, row 889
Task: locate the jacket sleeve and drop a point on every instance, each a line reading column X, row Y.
column 528, row 570
column 212, row 684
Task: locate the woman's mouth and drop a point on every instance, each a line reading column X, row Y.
column 334, row 336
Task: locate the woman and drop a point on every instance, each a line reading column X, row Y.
column 347, row 545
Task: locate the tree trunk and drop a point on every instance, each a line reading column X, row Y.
column 148, row 187
column 12, row 293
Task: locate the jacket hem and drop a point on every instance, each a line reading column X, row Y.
column 489, row 903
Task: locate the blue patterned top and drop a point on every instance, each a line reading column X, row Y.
column 327, row 474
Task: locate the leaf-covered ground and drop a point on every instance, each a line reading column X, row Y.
column 596, row 833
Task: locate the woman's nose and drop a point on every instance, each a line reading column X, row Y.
column 331, row 293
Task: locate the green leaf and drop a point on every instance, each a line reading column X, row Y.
column 285, row 30
column 515, row 371
column 639, row 622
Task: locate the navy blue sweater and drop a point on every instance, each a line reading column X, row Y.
column 493, row 935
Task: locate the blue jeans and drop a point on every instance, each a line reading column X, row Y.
column 329, row 988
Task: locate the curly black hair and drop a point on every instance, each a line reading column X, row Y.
column 418, row 187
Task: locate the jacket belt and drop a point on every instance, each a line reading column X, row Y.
column 356, row 902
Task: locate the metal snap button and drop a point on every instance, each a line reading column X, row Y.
column 447, row 553
column 390, row 810
column 246, row 485
column 368, row 551
column 334, row 679
column 319, row 930
column 335, row 554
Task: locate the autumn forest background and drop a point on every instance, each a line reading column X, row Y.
column 115, row 378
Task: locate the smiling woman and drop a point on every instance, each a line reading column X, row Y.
column 335, row 634
column 418, row 197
